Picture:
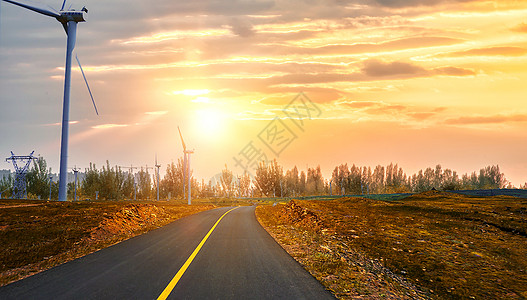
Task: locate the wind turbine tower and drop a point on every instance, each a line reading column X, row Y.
column 186, row 164
column 69, row 20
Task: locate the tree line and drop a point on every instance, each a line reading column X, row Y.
column 269, row 180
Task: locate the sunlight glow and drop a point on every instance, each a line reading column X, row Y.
column 209, row 122
column 201, row 100
column 191, row 92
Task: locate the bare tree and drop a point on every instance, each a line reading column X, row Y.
column 268, row 178
column 227, row 181
column 173, row 181
column 245, row 184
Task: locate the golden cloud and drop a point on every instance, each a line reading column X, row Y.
column 494, row 119
column 491, row 51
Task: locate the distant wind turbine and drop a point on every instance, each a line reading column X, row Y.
column 157, row 178
column 186, row 163
column 69, row 19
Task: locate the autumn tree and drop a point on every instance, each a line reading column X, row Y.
column 245, row 184
column 144, row 185
column 339, row 179
column 38, row 179
column 268, row 178
column 172, row 183
column 302, row 183
column 291, row 182
column 263, row 179
column 314, row 181
column 227, row 181
column 91, row 182
column 6, row 186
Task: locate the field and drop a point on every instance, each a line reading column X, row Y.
column 433, row 245
column 37, row 235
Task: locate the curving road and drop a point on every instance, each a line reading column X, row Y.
column 238, row 260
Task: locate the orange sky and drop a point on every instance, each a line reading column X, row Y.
column 411, row 82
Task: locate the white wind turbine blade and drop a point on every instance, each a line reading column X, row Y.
column 182, row 142
column 35, row 8
column 87, row 85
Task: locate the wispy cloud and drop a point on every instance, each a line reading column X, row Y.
column 491, row 51
column 108, row 126
column 453, row 71
column 377, row 68
column 358, row 104
column 421, row 116
column 492, row 119
column 268, row 114
column 522, row 27
column 59, row 124
column 174, row 35
column 415, row 115
column 360, row 48
column 156, row 113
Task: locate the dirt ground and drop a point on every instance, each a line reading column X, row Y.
column 38, row 235
column 432, row 245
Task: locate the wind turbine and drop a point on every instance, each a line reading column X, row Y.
column 75, row 171
column 186, row 163
column 157, row 178
column 69, row 20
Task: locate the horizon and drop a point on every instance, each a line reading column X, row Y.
column 407, row 82
column 215, row 179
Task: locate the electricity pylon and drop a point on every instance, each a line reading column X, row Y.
column 19, row 186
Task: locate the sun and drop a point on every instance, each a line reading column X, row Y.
column 209, row 122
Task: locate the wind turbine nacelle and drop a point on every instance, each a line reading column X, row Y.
column 73, row 15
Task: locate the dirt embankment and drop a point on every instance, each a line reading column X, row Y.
column 430, row 246
column 34, row 238
column 129, row 220
column 349, row 274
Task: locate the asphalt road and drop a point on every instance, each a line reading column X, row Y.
column 239, row 260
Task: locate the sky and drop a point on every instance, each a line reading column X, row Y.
column 365, row 82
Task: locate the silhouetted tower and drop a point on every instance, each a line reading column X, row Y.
column 19, row 187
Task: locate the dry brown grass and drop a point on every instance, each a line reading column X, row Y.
column 37, row 235
column 431, row 245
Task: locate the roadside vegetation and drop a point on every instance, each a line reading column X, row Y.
column 267, row 180
column 433, row 245
column 37, row 235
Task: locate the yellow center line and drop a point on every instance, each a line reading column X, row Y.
column 176, row 278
